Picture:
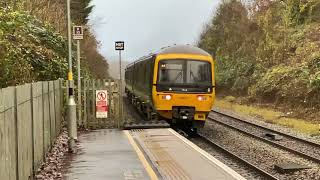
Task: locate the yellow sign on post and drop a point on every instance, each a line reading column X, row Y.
column 70, row 76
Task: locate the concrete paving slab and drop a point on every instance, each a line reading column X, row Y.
column 105, row 154
column 175, row 157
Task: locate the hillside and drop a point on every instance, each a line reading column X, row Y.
column 268, row 51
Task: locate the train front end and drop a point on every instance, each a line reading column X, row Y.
column 183, row 88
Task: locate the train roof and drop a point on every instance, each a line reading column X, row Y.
column 176, row 49
column 183, row 49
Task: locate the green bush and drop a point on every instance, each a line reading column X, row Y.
column 300, row 84
column 29, row 50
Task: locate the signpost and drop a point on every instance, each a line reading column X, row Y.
column 119, row 46
column 77, row 32
column 102, row 106
column 78, row 35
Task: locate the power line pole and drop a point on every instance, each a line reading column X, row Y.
column 72, row 115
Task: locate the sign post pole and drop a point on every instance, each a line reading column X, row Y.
column 71, row 115
column 78, row 35
column 79, row 83
column 120, row 92
column 119, row 46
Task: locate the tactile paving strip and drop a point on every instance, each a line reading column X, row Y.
column 159, row 157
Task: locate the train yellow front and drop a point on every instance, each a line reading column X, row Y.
column 176, row 84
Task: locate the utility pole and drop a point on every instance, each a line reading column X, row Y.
column 71, row 115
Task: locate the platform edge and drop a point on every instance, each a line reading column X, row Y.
column 209, row 156
column 141, row 157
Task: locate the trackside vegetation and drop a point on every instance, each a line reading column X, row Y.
column 29, row 50
column 33, row 41
column 267, row 50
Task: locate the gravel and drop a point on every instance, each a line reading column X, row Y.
column 276, row 127
column 258, row 153
column 131, row 114
column 52, row 168
column 234, row 164
column 311, row 150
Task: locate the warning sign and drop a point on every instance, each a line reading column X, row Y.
column 102, row 106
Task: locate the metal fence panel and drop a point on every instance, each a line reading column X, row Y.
column 38, row 133
column 24, row 127
column 89, row 104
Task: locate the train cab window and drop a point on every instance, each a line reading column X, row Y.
column 184, row 75
column 198, row 72
column 171, row 73
column 184, row 71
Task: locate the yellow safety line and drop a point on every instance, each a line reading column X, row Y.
column 144, row 161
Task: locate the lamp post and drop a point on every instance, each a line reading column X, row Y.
column 71, row 115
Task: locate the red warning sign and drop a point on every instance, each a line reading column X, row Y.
column 102, row 107
column 101, row 96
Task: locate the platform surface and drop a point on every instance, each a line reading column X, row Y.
column 143, row 154
column 175, row 157
column 105, row 154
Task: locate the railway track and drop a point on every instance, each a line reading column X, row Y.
column 262, row 174
column 298, row 146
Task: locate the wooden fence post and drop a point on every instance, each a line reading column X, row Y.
column 85, row 103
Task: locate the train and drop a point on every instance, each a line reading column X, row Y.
column 176, row 84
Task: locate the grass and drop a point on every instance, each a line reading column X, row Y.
column 270, row 116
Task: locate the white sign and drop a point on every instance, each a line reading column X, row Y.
column 102, row 106
column 77, row 32
column 119, row 46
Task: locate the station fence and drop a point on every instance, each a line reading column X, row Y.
column 87, row 105
column 30, row 121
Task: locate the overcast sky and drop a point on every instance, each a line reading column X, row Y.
column 148, row 25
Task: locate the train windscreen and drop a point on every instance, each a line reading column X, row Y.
column 184, row 75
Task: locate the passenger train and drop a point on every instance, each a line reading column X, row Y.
column 175, row 84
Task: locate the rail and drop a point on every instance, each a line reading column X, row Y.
column 305, row 153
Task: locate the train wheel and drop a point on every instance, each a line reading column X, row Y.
column 194, row 131
column 149, row 114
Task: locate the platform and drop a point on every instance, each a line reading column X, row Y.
column 143, row 154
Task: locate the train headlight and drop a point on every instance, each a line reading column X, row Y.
column 202, row 98
column 167, row 97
